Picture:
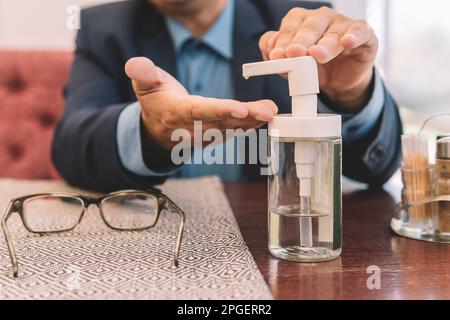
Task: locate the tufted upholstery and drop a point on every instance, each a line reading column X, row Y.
column 31, row 101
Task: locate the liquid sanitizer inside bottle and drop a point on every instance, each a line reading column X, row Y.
column 305, row 168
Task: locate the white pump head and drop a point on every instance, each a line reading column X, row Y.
column 303, row 81
column 302, row 77
column 302, row 73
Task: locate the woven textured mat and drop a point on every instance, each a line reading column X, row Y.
column 94, row 262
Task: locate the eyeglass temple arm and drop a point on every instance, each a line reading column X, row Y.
column 402, row 206
column 171, row 206
column 8, row 238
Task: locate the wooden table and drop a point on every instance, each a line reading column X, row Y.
column 409, row 269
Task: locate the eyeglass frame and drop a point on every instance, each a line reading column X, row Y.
column 163, row 203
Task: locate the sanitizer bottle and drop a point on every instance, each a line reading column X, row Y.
column 305, row 220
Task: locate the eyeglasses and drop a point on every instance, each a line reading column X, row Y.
column 50, row 213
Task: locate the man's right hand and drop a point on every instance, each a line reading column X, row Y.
column 167, row 106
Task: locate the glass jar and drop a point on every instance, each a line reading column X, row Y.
column 418, row 185
column 305, row 229
column 424, row 212
column 442, row 221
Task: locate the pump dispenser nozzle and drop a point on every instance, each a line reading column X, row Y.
column 303, row 81
column 304, row 122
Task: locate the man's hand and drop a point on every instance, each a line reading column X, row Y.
column 166, row 105
column 345, row 50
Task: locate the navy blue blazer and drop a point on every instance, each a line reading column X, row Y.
column 85, row 148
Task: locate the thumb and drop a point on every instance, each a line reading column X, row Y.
column 144, row 74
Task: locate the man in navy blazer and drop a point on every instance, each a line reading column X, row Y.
column 145, row 68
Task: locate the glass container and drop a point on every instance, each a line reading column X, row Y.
column 421, row 213
column 305, row 229
column 442, row 218
column 418, row 185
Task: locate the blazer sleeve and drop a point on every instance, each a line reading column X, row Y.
column 374, row 158
column 85, row 148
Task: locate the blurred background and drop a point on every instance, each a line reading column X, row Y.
column 413, row 57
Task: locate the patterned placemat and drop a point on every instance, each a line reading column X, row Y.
column 94, row 262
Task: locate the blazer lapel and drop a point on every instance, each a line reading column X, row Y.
column 248, row 28
column 154, row 41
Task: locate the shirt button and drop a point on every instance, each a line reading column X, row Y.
column 198, row 87
column 377, row 153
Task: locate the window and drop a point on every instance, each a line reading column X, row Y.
column 414, row 55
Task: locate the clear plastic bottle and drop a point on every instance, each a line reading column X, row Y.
column 305, row 184
column 305, row 230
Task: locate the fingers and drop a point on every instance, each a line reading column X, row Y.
column 210, row 109
column 289, row 26
column 233, row 124
column 358, row 34
column 300, row 30
column 310, row 32
column 264, row 43
column 322, row 33
column 262, row 111
column 144, row 74
column 330, row 45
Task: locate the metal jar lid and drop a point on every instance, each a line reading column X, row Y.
column 443, row 148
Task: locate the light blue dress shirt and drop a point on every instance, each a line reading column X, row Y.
column 199, row 62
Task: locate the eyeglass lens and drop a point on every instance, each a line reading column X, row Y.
column 52, row 213
column 128, row 212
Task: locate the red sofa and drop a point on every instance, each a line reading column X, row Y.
column 31, row 101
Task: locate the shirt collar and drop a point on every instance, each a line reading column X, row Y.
column 219, row 37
